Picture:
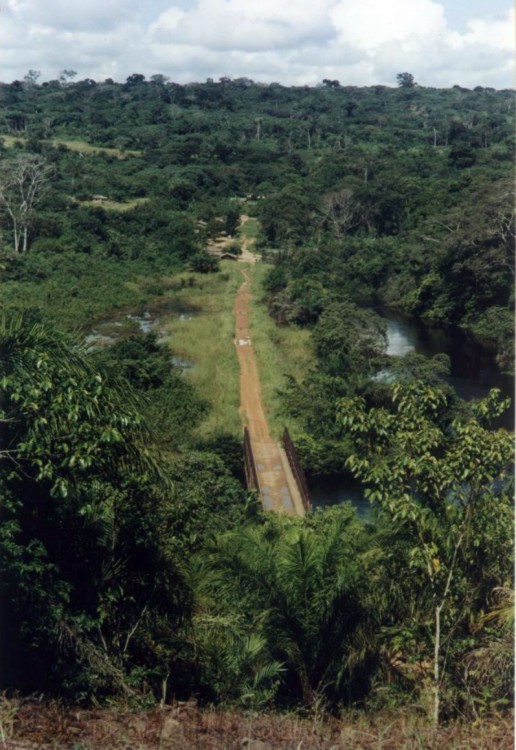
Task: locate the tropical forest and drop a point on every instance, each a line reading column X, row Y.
column 256, row 420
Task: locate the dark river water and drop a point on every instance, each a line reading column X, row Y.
column 473, row 368
column 473, row 373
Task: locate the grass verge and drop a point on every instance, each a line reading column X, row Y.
column 279, row 352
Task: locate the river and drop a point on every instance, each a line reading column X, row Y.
column 473, row 372
column 473, row 368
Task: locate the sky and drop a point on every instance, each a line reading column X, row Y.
column 294, row 42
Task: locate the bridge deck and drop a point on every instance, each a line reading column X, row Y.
column 278, row 488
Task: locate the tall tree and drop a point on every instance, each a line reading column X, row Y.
column 23, row 182
column 406, row 80
column 440, row 485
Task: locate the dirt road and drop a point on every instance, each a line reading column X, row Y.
column 278, row 488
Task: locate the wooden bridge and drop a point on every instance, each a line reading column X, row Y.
column 273, row 469
column 271, row 466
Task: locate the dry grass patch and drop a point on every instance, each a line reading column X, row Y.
column 184, row 726
column 88, row 148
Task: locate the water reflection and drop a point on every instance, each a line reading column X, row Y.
column 181, row 363
column 110, row 329
column 399, row 339
column 473, row 367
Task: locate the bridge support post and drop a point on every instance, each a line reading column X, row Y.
column 297, row 471
column 251, row 475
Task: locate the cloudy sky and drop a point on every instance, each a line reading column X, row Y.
column 358, row 42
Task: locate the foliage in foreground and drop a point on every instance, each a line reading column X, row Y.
column 91, row 539
column 129, row 571
column 365, row 615
column 296, row 590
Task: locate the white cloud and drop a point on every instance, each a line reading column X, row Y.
column 76, row 15
column 291, row 41
column 482, row 55
column 490, row 33
column 371, row 23
column 244, row 24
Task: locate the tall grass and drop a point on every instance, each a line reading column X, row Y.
column 206, row 340
column 111, row 205
column 280, row 352
column 75, row 290
column 249, row 228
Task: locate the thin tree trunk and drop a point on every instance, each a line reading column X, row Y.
column 437, row 676
column 437, row 641
column 16, row 238
column 164, row 688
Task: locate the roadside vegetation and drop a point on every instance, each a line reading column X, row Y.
column 281, row 353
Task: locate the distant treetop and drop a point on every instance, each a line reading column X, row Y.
column 406, row 80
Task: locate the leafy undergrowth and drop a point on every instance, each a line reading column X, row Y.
column 29, row 725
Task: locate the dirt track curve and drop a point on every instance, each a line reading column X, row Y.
column 278, row 487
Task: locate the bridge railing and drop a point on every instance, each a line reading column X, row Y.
column 297, row 471
column 251, row 475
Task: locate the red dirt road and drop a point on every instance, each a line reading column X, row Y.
column 278, row 488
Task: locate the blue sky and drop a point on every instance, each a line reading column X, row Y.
column 358, row 42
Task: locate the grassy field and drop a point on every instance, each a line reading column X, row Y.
column 81, row 146
column 206, row 340
column 279, row 352
column 249, row 228
column 110, row 205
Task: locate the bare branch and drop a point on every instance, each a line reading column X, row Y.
column 23, row 183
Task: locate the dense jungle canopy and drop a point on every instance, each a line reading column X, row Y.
column 133, row 559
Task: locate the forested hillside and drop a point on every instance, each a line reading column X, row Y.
column 403, row 194
column 134, row 562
